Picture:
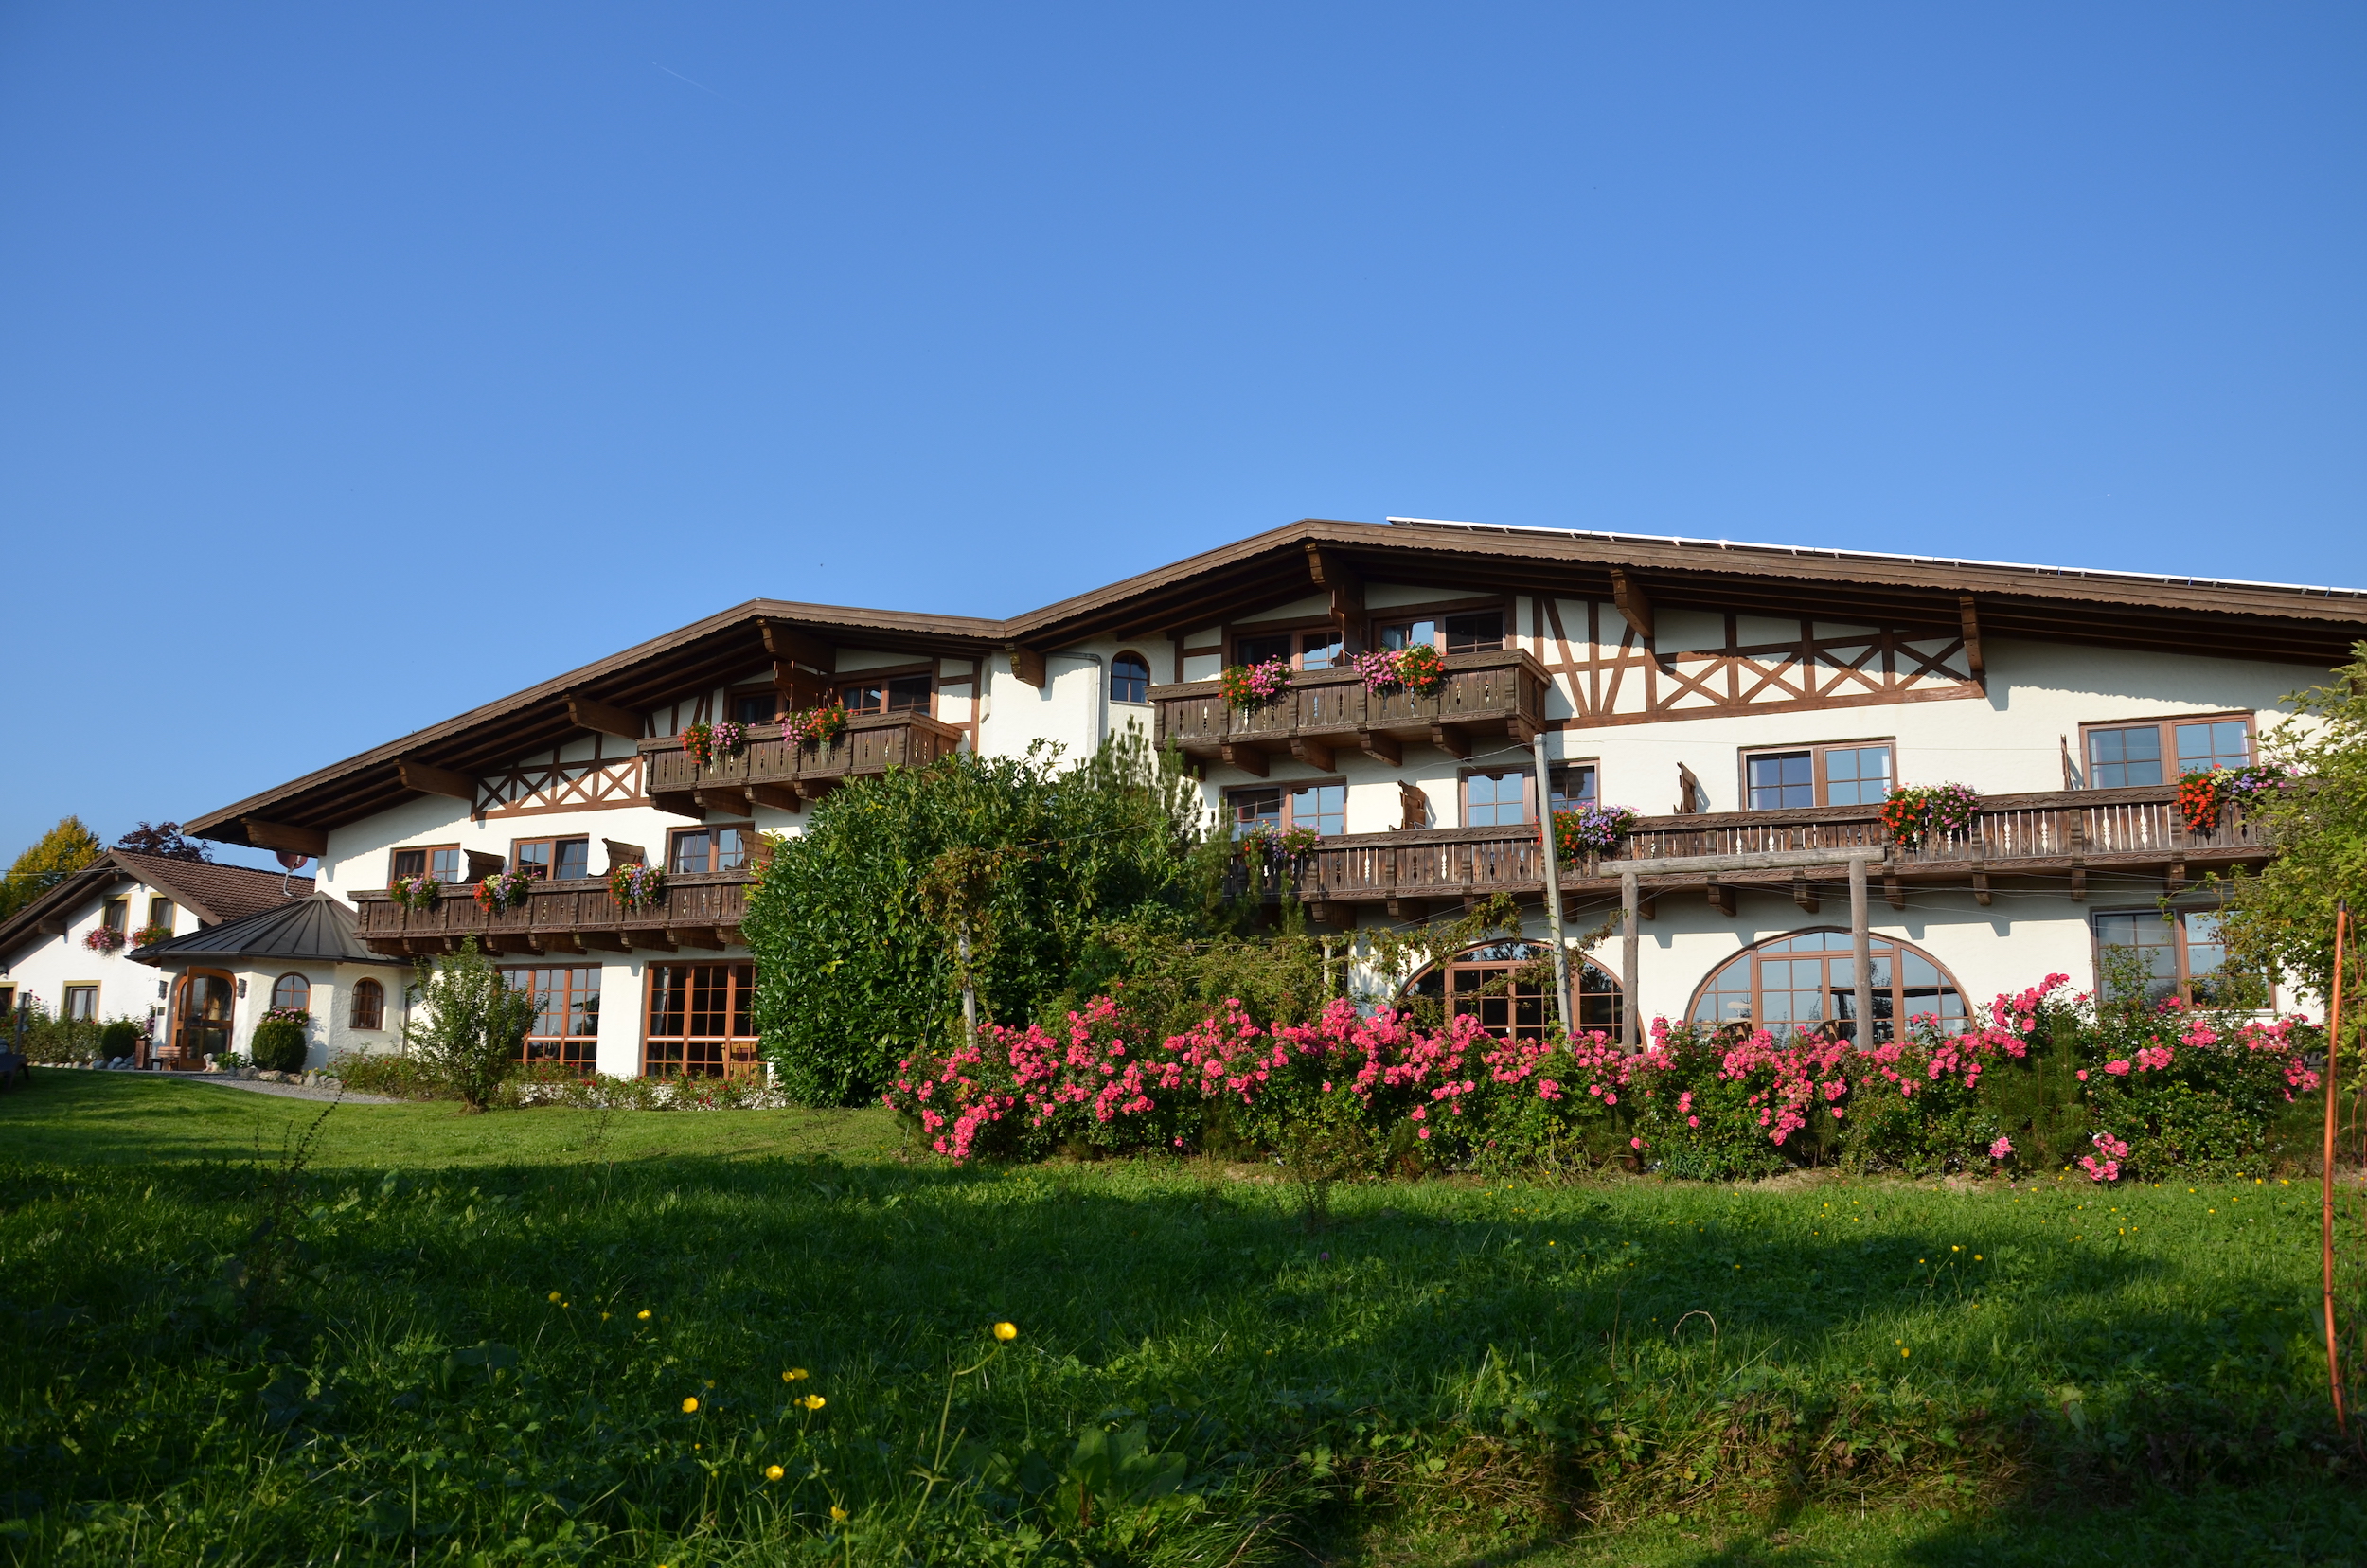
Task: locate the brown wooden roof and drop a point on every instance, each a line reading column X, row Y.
column 2307, row 626
column 213, row 893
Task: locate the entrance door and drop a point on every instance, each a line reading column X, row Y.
column 201, row 1019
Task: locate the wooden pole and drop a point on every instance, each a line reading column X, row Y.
column 1631, row 1008
column 1553, row 885
column 1861, row 951
column 2334, row 1034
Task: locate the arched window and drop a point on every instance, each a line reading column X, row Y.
column 1130, row 678
column 1807, row 979
column 369, row 1005
column 1487, row 981
column 291, row 990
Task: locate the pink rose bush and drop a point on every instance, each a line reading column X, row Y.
column 2173, row 1088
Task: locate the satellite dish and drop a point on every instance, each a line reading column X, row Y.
column 293, row 860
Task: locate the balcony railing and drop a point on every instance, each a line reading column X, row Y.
column 701, row 910
column 1486, row 694
column 2063, row 833
column 768, row 771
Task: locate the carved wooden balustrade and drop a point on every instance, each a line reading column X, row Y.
column 768, row 771
column 575, row 916
column 2065, row 834
column 1485, row 694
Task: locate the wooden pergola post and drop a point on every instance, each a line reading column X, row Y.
column 1631, row 1009
column 1861, row 953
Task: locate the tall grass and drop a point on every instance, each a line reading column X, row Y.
column 455, row 1364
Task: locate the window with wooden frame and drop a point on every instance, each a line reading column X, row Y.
column 1808, row 981
column 1497, row 798
column 702, row 1021
column 552, row 859
column 698, row 850
column 82, row 1004
column 1312, row 648
column 368, row 1010
column 440, row 861
column 1509, row 986
column 115, row 915
column 752, row 706
column 1460, row 632
column 1130, row 678
column 566, row 1026
column 2160, row 751
column 1573, row 786
column 8, row 1001
column 160, row 913
column 1322, row 805
column 889, row 694
column 2179, row 954
column 1839, row 772
column 291, row 990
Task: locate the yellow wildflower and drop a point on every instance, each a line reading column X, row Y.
column 689, row 1406
column 813, row 1401
column 643, row 1314
column 792, row 1374
column 554, row 1295
column 837, row 1513
column 773, row 1472
column 1007, row 1330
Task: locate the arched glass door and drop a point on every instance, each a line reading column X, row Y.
column 202, row 1016
column 1495, row 983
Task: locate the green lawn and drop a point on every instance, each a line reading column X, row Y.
column 375, row 1371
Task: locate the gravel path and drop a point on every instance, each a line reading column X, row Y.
column 285, row 1091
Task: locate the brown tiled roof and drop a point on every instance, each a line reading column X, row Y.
column 217, row 893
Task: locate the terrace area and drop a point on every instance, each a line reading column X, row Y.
column 1324, row 711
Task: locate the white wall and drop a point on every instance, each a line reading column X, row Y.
column 125, row 990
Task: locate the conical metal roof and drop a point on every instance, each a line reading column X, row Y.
column 315, row 929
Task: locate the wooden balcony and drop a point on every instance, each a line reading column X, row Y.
column 1500, row 693
column 2061, row 834
column 572, row 916
column 771, row 772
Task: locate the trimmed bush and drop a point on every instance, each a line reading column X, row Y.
column 120, row 1038
column 279, row 1045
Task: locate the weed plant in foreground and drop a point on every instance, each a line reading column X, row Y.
column 669, row 1358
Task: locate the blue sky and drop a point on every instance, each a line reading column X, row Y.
column 357, row 366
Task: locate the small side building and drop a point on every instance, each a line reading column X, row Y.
column 303, row 954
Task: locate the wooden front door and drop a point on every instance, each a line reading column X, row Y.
column 203, row 1010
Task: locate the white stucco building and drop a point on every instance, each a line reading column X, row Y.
column 1755, row 703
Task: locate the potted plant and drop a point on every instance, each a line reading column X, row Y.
column 105, row 940
column 502, row 890
column 149, row 935
column 815, row 726
column 1913, row 813
column 1592, row 830
column 1253, row 686
column 418, row 892
column 635, row 885
column 1418, row 670
column 698, row 743
column 2201, row 796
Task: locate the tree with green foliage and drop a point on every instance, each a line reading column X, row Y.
column 61, row 851
column 986, row 873
column 476, row 1023
column 2282, row 918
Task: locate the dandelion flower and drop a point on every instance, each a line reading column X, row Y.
column 554, row 1295
column 792, row 1374
column 1007, row 1330
column 689, row 1405
column 773, row 1472
column 813, row 1401
column 838, row 1515
column 1904, row 1351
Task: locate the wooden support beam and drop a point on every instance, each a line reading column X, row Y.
column 1749, row 859
column 434, row 780
column 1630, row 943
column 1521, row 730
column 678, row 803
column 1861, row 954
column 605, row 718
column 430, row 946
column 606, row 941
column 704, row 938
column 788, row 644
column 1648, row 906
column 1380, row 748
column 1028, row 663
column 2079, row 884
column 1980, row 888
column 1627, row 594
column 1249, row 760
column 1409, row 909
column 506, row 941
column 1802, row 893
column 654, row 941
column 2174, row 882
column 1721, row 898
column 730, row 799
column 1336, row 576
column 1453, row 740
column 280, row 835
column 559, row 941
column 779, row 797
column 1313, row 753
column 1893, row 894
column 1968, row 615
